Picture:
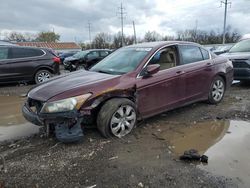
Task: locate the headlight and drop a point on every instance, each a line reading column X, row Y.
column 65, row 104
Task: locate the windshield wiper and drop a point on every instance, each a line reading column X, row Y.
column 102, row 71
column 110, row 72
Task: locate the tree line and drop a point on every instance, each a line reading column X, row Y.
column 114, row 41
column 44, row 36
column 104, row 40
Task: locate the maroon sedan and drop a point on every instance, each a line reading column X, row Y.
column 133, row 83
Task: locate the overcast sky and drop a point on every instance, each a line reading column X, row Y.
column 69, row 18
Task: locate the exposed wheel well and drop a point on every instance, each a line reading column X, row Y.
column 98, row 108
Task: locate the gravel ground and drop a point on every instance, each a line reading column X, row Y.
column 138, row 160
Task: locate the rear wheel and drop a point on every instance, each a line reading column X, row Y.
column 42, row 76
column 117, row 117
column 217, row 90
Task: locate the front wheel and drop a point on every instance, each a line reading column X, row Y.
column 117, row 117
column 42, row 76
column 217, row 90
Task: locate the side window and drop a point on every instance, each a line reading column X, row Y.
column 3, row 53
column 104, row 53
column 25, row 52
column 166, row 58
column 190, row 54
column 93, row 55
column 205, row 54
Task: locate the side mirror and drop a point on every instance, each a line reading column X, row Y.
column 150, row 70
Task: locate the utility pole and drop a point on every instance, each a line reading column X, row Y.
column 134, row 33
column 121, row 16
column 226, row 3
column 196, row 25
column 89, row 28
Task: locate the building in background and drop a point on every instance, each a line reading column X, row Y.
column 56, row 46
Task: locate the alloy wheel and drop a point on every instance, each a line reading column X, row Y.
column 43, row 76
column 218, row 90
column 123, row 121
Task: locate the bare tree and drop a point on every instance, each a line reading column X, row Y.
column 151, row 36
column 47, row 36
column 102, row 40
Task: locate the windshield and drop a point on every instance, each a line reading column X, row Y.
column 80, row 54
column 122, row 61
column 242, row 46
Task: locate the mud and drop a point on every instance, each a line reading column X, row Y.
column 12, row 124
column 148, row 157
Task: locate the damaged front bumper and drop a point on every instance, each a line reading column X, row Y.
column 67, row 125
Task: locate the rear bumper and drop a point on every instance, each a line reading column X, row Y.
column 241, row 73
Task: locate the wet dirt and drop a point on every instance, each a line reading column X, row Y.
column 12, row 123
column 148, row 157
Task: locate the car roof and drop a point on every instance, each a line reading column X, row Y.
column 6, row 43
column 98, row 50
column 159, row 44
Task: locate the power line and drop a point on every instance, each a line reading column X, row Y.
column 226, row 3
column 121, row 16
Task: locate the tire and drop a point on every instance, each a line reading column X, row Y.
column 42, row 76
column 117, row 117
column 217, row 90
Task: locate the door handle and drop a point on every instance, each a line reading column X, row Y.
column 180, row 72
column 208, row 64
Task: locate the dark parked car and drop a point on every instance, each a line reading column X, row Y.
column 239, row 54
column 23, row 64
column 85, row 59
column 66, row 54
column 6, row 43
column 133, row 83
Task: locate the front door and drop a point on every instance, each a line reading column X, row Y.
column 163, row 90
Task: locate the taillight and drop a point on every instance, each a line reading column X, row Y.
column 57, row 59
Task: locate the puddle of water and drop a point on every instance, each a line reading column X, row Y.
column 226, row 143
column 12, row 123
column 231, row 156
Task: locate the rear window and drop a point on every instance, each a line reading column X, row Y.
column 190, row 54
column 3, row 53
column 25, row 52
column 104, row 53
column 205, row 54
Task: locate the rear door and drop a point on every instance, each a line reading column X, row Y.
column 197, row 66
column 92, row 58
column 24, row 61
column 4, row 65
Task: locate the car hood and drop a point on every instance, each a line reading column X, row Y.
column 71, row 58
column 57, row 85
column 237, row 55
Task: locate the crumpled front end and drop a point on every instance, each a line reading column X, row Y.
column 66, row 125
